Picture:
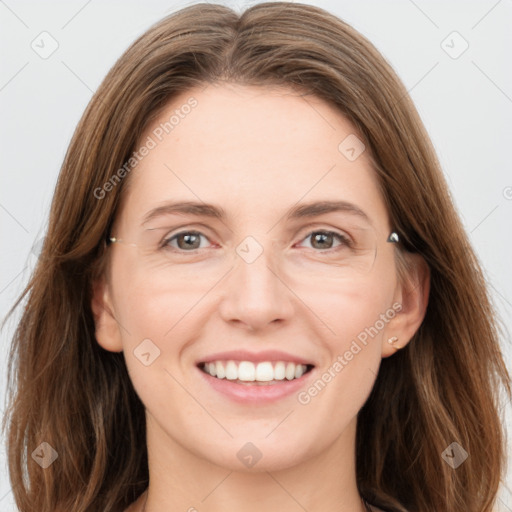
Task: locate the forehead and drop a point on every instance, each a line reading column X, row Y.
column 254, row 150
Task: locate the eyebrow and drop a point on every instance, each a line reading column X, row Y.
column 307, row 210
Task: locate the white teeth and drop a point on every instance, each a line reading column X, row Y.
column 290, row 371
column 231, row 371
column 279, row 371
column 264, row 372
column 247, row 371
column 298, row 371
column 219, row 369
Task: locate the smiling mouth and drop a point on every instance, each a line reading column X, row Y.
column 257, row 374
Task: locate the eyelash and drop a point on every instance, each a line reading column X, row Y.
column 344, row 240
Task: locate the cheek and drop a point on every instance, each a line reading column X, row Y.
column 350, row 309
column 151, row 313
column 358, row 318
column 157, row 324
column 349, row 370
column 146, row 310
column 153, row 298
column 359, row 314
column 159, row 310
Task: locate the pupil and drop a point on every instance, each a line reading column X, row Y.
column 189, row 240
column 320, row 236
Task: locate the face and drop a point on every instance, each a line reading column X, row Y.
column 254, row 319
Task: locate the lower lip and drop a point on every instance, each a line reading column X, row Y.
column 255, row 393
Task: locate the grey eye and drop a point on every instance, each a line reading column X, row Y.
column 186, row 240
column 325, row 239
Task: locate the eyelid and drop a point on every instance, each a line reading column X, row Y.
column 327, row 229
column 199, row 228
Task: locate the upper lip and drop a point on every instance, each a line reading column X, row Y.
column 255, row 357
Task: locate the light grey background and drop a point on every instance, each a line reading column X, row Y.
column 464, row 100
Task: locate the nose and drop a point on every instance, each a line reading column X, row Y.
column 255, row 294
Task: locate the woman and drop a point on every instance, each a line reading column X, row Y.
column 245, row 300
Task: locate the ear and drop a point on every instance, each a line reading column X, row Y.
column 411, row 294
column 108, row 332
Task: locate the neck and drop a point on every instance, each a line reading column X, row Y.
column 181, row 480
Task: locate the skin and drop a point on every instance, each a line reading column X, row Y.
column 256, row 152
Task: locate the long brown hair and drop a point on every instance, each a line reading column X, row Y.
column 443, row 387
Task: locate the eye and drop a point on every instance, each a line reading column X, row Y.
column 188, row 241
column 323, row 239
column 185, row 240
